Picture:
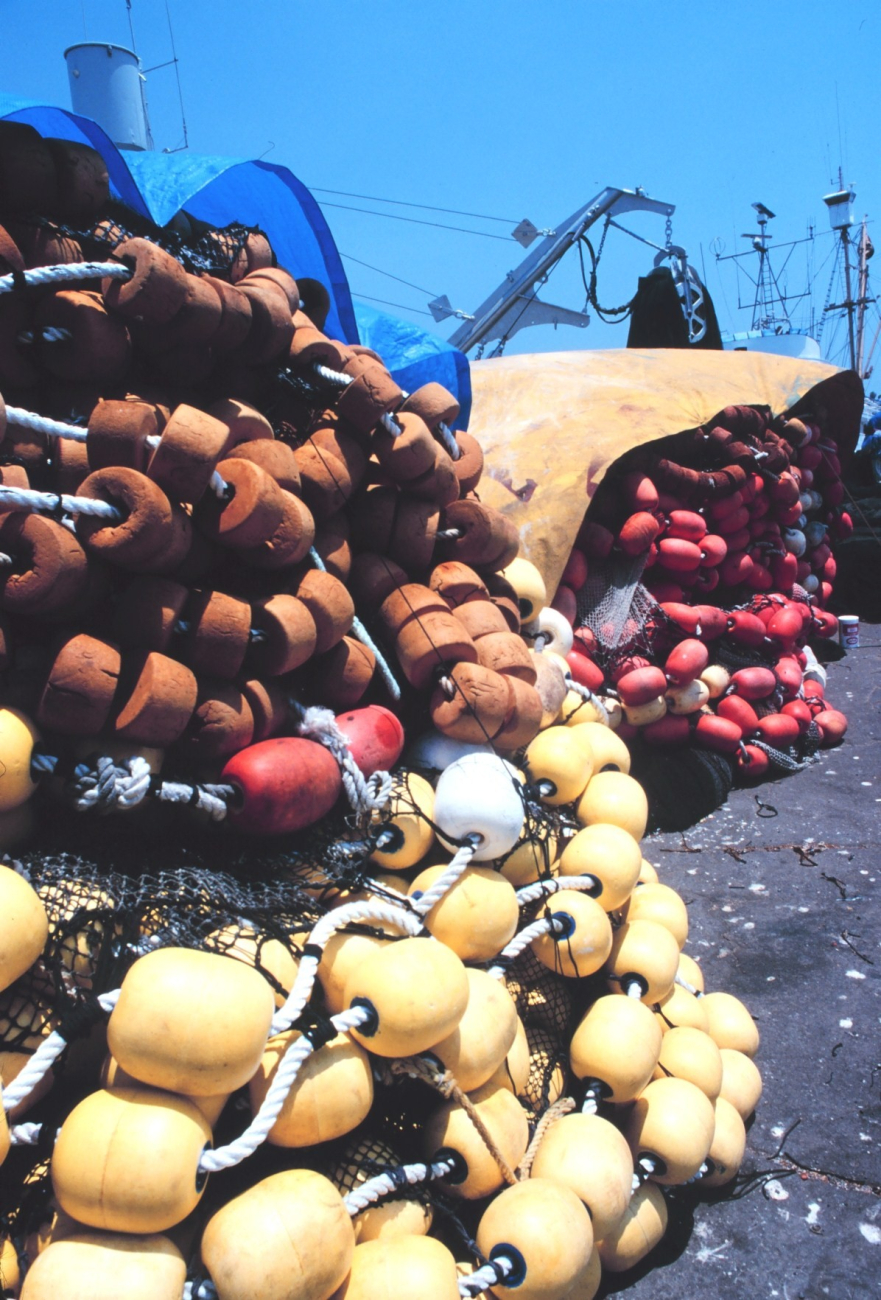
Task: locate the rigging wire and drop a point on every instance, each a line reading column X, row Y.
column 401, row 306
column 180, row 96
column 426, row 207
column 380, row 271
column 416, row 221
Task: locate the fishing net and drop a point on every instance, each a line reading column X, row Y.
column 623, row 616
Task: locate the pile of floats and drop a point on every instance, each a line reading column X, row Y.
column 732, row 542
column 244, row 573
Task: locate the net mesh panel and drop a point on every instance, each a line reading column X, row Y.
column 196, row 245
column 623, row 616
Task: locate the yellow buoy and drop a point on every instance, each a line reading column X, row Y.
column 10, row 1273
column 617, row 1042
column 476, row 917
column 114, row 1076
column 18, row 736
column 609, row 853
column 559, row 765
column 481, row 1041
column 590, row 1156
column 418, row 990
column 127, row 1160
column 729, row 1143
column 639, row 1230
column 331, row 1095
column 582, row 938
column 529, row 585
column 270, row 957
column 396, row 1266
column 287, row 1235
column 532, row 858
column 24, row 925
column 680, row 1007
column 190, row 1021
column 730, row 1024
column 663, row 905
column 407, row 835
column 690, row 1054
column 513, row 1073
column 551, row 1235
column 644, row 954
column 648, row 874
column 450, row 1128
column 716, row 679
column 672, row 1124
column 106, row 1266
column 691, row 972
column 608, row 751
column 614, row 797
column 640, row 715
column 741, row 1081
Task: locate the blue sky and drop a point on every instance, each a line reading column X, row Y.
column 508, row 109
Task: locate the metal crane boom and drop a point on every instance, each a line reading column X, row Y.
column 514, row 304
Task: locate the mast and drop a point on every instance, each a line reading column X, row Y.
column 848, row 302
column 862, row 295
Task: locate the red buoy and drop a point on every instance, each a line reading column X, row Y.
column 283, row 785
column 375, row 737
column 754, row 683
column 711, row 732
column 687, row 661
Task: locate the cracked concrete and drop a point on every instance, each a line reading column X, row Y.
column 783, row 886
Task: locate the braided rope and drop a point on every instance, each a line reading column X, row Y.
column 43, row 1059
column 212, row 799
column 370, row 911
column 393, row 1180
column 366, row 795
column 588, row 696
column 51, row 502
column 40, row 276
column 365, row 638
column 423, row 903
column 108, row 785
column 42, row 424
column 448, row 438
column 544, row 888
column 226, row 1157
column 25, row 1135
column 483, row 1278
column 560, row 1108
column 521, row 941
column 784, row 761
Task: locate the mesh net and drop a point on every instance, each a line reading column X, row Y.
column 623, row 616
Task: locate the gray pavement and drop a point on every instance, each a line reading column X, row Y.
column 783, row 888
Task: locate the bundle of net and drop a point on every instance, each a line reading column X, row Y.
column 259, row 1032
column 325, row 1089
column 696, row 596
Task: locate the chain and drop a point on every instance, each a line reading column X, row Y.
column 668, row 233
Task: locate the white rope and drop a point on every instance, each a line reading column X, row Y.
column 587, row 694
column 43, row 1058
column 212, row 799
column 261, row 1125
column 49, row 334
column 205, row 1290
column 42, row 424
column 365, row 638
column 29, row 500
column 391, row 426
column 363, row 913
column 107, row 785
column 25, row 1135
column 43, row 275
column 335, row 377
column 544, row 888
column 366, row 795
column 521, row 941
column 393, row 1180
column 448, row 438
column 423, row 903
column 483, row 1278
column 684, row 984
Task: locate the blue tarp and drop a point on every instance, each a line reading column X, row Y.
column 223, row 190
